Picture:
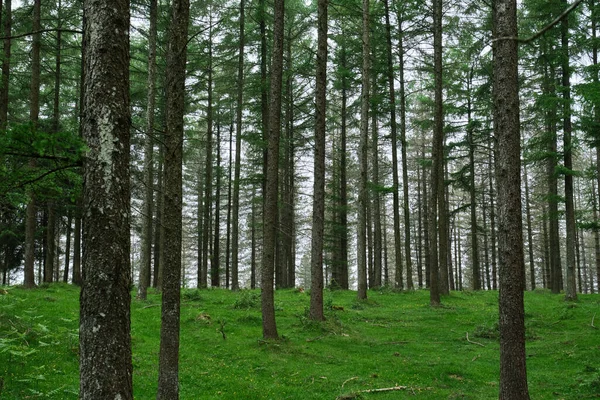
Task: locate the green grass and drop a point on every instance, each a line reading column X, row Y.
column 391, row 339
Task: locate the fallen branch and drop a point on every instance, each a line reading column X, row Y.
column 349, row 379
column 315, row 339
column 390, row 389
column 592, row 324
column 355, row 395
column 477, row 343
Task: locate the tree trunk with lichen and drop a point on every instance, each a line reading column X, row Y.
column 104, row 330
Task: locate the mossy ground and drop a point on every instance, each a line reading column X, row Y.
column 394, row 338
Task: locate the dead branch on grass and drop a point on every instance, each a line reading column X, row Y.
column 472, row 342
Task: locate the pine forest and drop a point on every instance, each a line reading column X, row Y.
column 155, row 148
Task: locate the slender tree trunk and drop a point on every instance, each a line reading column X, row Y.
column 50, row 244
column 272, row 182
column 168, row 367
column 77, row 247
column 491, row 165
column 68, row 246
column 513, row 372
column 394, row 138
column 420, row 207
column 405, row 198
column 318, row 218
column 148, row 202
column 159, row 228
column 571, row 287
column 472, row 194
column 362, row 157
column 376, row 205
column 229, row 204
column 4, row 83
column 215, row 264
column 235, row 235
column 529, row 229
column 208, row 168
column 104, row 329
column 34, row 110
column 436, row 203
column 253, row 241
column 596, row 79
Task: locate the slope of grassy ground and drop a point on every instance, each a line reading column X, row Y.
column 392, row 339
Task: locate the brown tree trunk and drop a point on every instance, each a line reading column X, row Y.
column 272, row 181
column 571, row 287
column 68, row 246
column 148, row 205
column 513, row 372
column 363, row 197
column 5, row 64
column 318, row 217
column 215, row 262
column 34, row 111
column 235, row 236
column 104, row 334
column 529, row 229
column 436, row 203
column 168, row 367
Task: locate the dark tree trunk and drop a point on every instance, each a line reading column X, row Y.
column 235, row 236
column 571, row 287
column 472, row 194
column 5, row 64
column 34, row 111
column 513, row 372
column 529, row 229
column 148, row 206
column 215, row 262
column 168, row 367
column 272, row 181
column 104, row 328
column 363, row 197
column 436, row 203
column 318, row 217
column 68, row 246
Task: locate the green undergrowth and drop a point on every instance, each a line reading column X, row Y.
column 392, row 340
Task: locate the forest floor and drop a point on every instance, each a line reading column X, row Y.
column 394, row 340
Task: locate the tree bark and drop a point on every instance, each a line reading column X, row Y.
column 5, row 64
column 148, row 205
column 363, row 197
column 272, row 178
column 436, row 208
column 529, row 230
column 318, row 217
column 68, row 246
column 235, row 211
column 104, row 328
column 571, row 287
column 215, row 263
column 513, row 372
column 168, row 367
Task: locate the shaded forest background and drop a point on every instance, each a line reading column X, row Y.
column 224, row 144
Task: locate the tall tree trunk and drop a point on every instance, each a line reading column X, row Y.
column 68, row 246
column 376, row 204
column 77, row 280
column 363, row 197
column 272, row 182
column 253, row 241
column 5, row 64
column 571, row 287
column 551, row 163
column 421, row 183
column 159, row 237
column 394, row 138
column 229, row 204
column 405, row 198
column 513, row 372
column 529, row 229
column 436, row 208
column 104, row 329
column 472, row 194
column 50, row 243
column 168, row 369
column 34, row 111
column 208, row 168
column 215, row 263
column 596, row 80
column 235, row 212
column 318, row 217
column 148, row 202
column 491, row 165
